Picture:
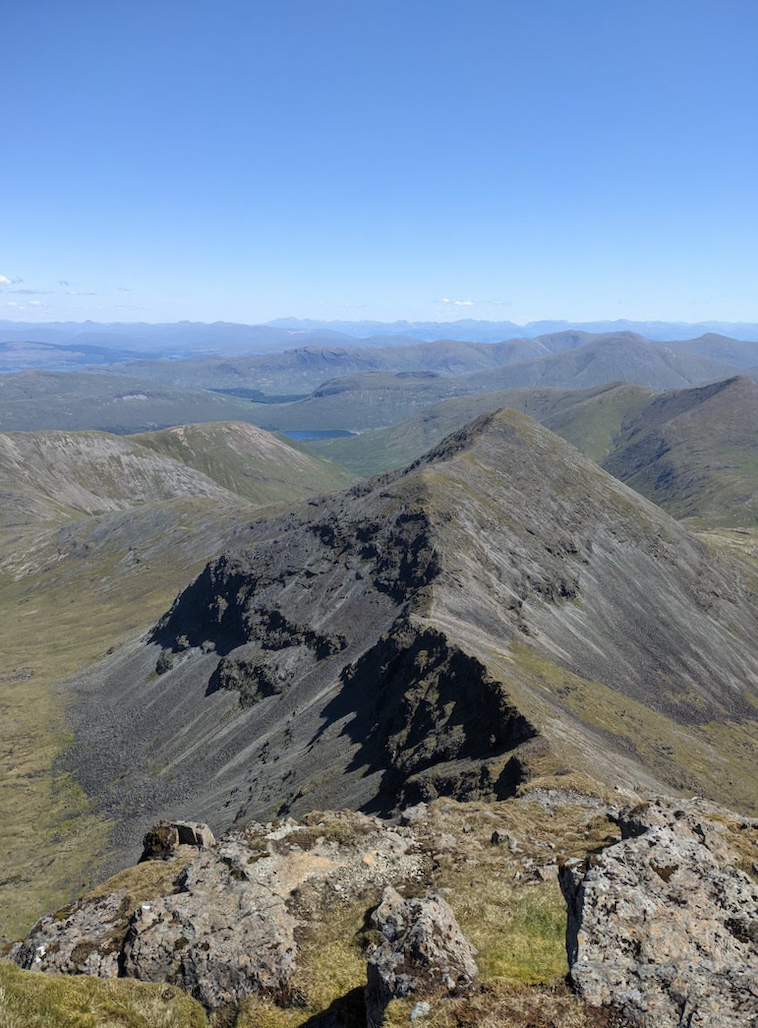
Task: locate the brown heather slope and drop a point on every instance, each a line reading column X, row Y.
column 500, row 609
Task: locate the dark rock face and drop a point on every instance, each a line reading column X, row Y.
column 663, row 925
column 423, row 953
column 432, row 705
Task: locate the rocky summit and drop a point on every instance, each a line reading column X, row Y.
column 426, row 915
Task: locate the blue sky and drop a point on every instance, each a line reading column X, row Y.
column 420, row 159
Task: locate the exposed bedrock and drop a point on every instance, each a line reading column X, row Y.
column 664, row 925
column 423, row 953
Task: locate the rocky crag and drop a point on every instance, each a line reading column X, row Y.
column 664, row 925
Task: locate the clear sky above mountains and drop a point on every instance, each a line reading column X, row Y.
column 419, row 159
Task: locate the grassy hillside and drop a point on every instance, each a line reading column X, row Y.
column 61, row 475
column 691, row 451
column 248, row 461
column 57, row 476
column 735, row 352
column 32, row 1000
column 695, row 453
column 588, row 418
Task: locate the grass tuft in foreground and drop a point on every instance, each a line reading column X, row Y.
column 32, row 1000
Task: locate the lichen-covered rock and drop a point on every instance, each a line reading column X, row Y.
column 226, row 934
column 163, row 840
column 423, row 952
column 663, row 926
column 84, row 938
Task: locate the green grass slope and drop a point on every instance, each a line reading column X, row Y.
column 588, row 418
column 247, row 461
column 32, row 1000
column 695, row 453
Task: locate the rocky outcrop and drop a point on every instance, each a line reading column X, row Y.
column 84, row 938
column 423, row 953
column 227, row 933
column 664, row 924
column 225, row 925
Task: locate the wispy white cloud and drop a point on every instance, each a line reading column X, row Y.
column 76, row 292
column 459, row 303
column 37, row 303
column 30, row 292
column 5, row 281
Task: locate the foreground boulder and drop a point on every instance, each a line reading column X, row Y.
column 663, row 925
column 84, row 938
column 227, row 933
column 423, row 953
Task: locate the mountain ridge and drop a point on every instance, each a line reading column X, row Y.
column 335, row 650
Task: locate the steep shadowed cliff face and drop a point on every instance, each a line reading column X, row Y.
column 502, row 608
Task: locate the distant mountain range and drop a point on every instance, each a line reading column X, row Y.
column 64, row 345
column 347, row 388
column 472, row 330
